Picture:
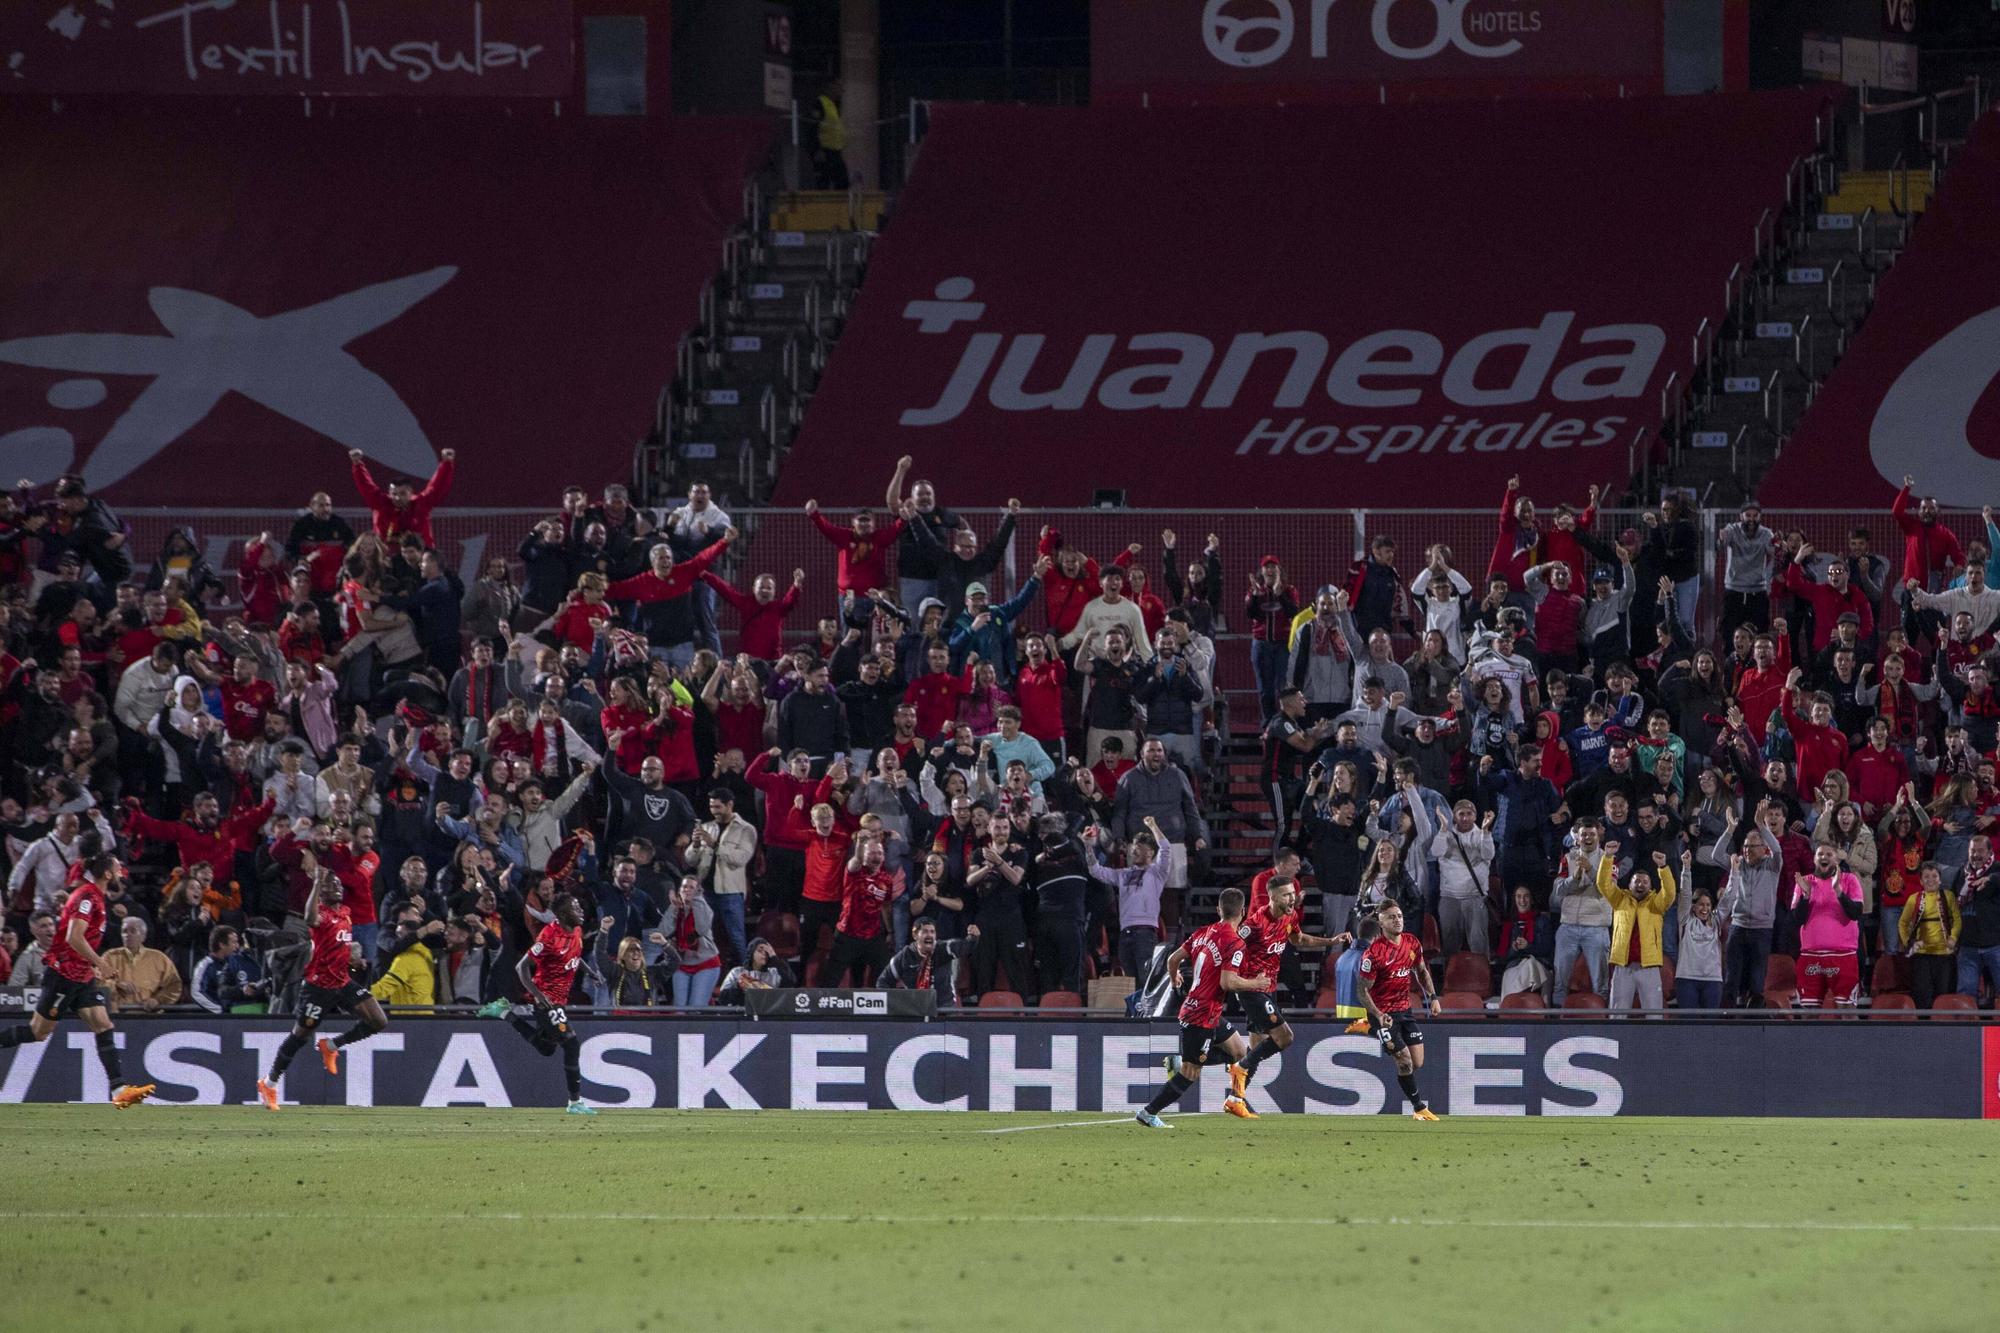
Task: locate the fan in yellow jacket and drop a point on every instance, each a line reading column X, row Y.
column 411, row 978
column 1638, row 913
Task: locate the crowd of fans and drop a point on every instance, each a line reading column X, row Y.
column 1550, row 769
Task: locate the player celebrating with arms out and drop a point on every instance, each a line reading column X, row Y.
column 1265, row 934
column 70, row 985
column 1218, row 954
column 1386, row 969
column 330, row 987
column 547, row 972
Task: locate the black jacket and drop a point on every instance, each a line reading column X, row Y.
column 815, row 723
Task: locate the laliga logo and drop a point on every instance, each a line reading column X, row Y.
column 1224, row 35
column 1922, row 426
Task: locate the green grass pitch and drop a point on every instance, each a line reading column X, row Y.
column 208, row 1220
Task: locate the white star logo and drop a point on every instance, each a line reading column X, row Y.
column 294, row 363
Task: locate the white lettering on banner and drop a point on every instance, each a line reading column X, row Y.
column 464, row 1054
column 289, row 56
column 1607, row 1094
column 809, row 1075
column 1362, row 1085
column 597, row 1067
column 96, row 1088
column 294, row 363
column 899, row 1074
column 1244, row 43
column 1120, row 1078
column 1004, row 1077
column 21, row 1073
column 1379, row 442
column 263, row 1048
column 161, row 1066
column 1468, row 1077
column 1923, row 426
column 359, row 1066
column 702, row 1075
column 1387, row 369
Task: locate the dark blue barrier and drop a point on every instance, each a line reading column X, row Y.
column 1609, row 1068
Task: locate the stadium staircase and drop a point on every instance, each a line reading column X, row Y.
column 1789, row 321
column 769, row 318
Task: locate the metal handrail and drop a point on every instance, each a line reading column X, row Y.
column 1835, row 281
column 1774, row 386
column 1670, row 406
column 1802, row 347
column 1700, row 329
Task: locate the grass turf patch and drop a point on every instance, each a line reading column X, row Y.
column 228, row 1218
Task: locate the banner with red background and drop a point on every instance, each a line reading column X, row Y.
column 1297, row 306
column 1175, row 52
column 1914, row 394
column 212, row 310
column 411, row 48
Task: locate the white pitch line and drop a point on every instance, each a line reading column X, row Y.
column 1032, row 1219
column 1060, row 1124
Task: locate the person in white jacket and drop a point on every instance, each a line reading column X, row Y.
column 46, row 862
column 1464, row 855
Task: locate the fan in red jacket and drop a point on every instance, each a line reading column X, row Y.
column 864, row 549
column 261, row 581
column 1760, row 687
column 1929, row 547
column 1819, row 744
column 788, row 798
column 1828, row 600
column 763, row 611
column 204, row 837
column 1876, row 772
column 1072, row 580
column 401, row 509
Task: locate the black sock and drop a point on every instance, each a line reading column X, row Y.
column 107, row 1054
column 1176, row 1085
column 1266, row 1047
column 18, row 1035
column 294, row 1042
column 572, row 1050
column 359, row 1032
column 1409, row 1085
column 525, row 1026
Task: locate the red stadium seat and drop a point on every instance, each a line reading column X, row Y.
column 1891, row 973
column 1327, row 1000
column 1578, row 1001
column 1524, row 1001
column 1782, row 974
column 1956, row 1008
column 1462, row 1002
column 1468, row 972
column 1000, row 999
column 1579, row 976
column 1895, row 1006
column 781, row 931
column 1061, row 999
column 1667, row 978
column 1432, row 947
column 1780, row 998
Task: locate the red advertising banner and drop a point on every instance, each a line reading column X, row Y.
column 1914, row 394
column 1176, row 52
column 1363, row 306
column 421, row 48
column 1989, row 1082
column 208, row 310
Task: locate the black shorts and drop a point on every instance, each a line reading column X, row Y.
column 1403, row 1032
column 62, row 996
column 545, row 1027
column 1197, row 1042
column 317, row 1002
column 1262, row 1011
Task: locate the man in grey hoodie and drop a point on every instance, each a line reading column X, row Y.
column 1583, row 916
column 1750, row 904
column 1159, row 792
column 1748, row 547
